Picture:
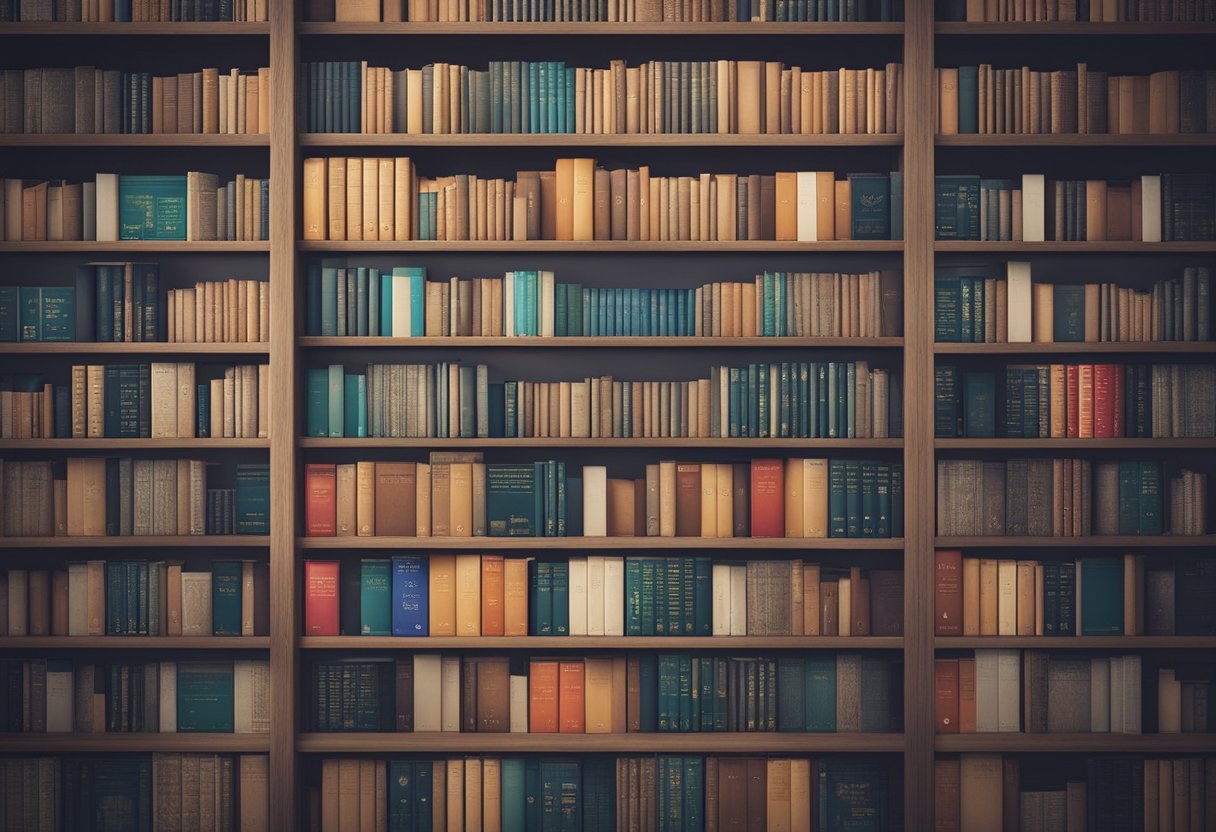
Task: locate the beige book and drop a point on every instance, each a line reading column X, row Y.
column 709, row 499
column 468, row 595
column 1007, row 601
column 86, row 495
column 196, row 603
column 95, row 406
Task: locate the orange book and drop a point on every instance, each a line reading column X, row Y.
column 844, row 210
column 582, row 200
column 571, row 697
column 787, row 203
column 515, row 597
column 468, row 595
column 564, row 193
column 320, row 500
column 493, row 595
column 542, row 697
column 599, row 696
column 442, row 595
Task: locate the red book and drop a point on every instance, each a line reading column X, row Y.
column 768, row 498
column 320, row 597
column 1104, row 401
column 320, row 500
column 948, row 593
column 945, row 685
column 542, row 698
column 1073, row 395
column 1118, row 429
column 571, row 698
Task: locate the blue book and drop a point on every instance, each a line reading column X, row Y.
column 57, row 309
column 968, row 99
column 820, row 695
column 410, row 596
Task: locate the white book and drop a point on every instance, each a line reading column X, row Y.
column 595, row 595
column 106, row 212
column 88, row 205
column 987, row 718
column 78, row 599
column 721, row 578
column 547, row 304
column 1034, row 213
column 578, row 596
column 60, row 697
column 427, row 691
column 1020, row 302
column 519, row 705
column 1115, row 694
column 1099, row 694
column 614, row 596
column 508, row 302
column 1150, row 209
column 401, row 305
column 168, row 698
column 738, row 600
column 196, row 604
column 164, row 400
column 808, row 227
column 595, row 501
column 251, row 696
column 844, row 602
column 1009, row 685
column 1132, row 667
column 449, row 694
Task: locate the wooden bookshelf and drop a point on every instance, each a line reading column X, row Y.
column 1077, row 140
column 130, row 444
column 599, row 140
column 1077, row 743
column 544, row 644
column 110, row 743
column 1077, row 445
column 1077, row 642
column 671, row 743
column 599, row 247
column 118, row 30
column 136, row 247
column 137, row 140
column 133, row 349
column 1095, row 348
column 174, row 643
column 1165, row 541
column 1017, row 247
column 493, row 544
column 600, row 342
column 199, row 541
column 611, row 30
column 641, row 442
column 1074, row 29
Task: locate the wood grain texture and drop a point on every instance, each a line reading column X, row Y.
column 110, row 743
column 599, row 140
column 144, row 348
column 1078, row 743
column 641, row 442
column 140, row 140
column 167, row 643
column 545, row 644
column 200, row 541
column 111, row 30
column 595, row 246
column 1076, row 445
column 600, row 342
column 1093, row 542
column 612, row 30
column 1098, row 347
column 1079, row 643
column 126, row 247
column 1074, row 247
column 130, row 444
column 1075, row 28
column 1077, row 140
column 474, row 743
column 809, row 544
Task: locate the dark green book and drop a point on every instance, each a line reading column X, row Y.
column 511, row 509
column 838, row 520
column 226, row 598
column 561, row 598
column 1101, row 597
column 820, row 694
column 968, row 99
column 852, row 498
column 1068, row 308
column 669, row 692
column 791, row 694
column 1129, row 497
column 541, row 601
column 979, row 405
column 561, row 801
column 633, row 596
column 853, row 795
column 58, row 313
column 375, row 597
column 204, row 697
column 1151, row 519
column 945, row 401
column 703, row 590
column 869, row 499
column 870, row 196
column 253, row 498
column 350, row 597
column 112, row 793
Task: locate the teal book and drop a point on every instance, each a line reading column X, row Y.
column 424, row 777
column 1151, row 519
column 838, row 519
column 853, row 795
column 152, row 207
column 354, row 405
column 852, row 498
column 869, row 499
column 511, row 500
column 204, row 697
column 561, row 796
column 31, row 313
column 648, row 708
column 514, row 795
column 333, row 396
column 402, row 794
column 541, row 602
column 226, row 598
column 1101, row 596
column 703, row 590
column 112, row 793
column 329, row 300
column 791, row 694
column 1069, row 313
column 870, row 195
column 415, row 285
column 253, row 498
column 1129, row 497
column 534, row 798
column 633, row 596
column 10, row 313
column 882, row 487
column 317, row 418
column 820, row 694
column 312, row 304
column 375, row 597
column 979, row 405
column 561, row 598
column 648, row 568
column 203, row 415
column 58, row 311
column 669, row 692
column 694, row 793
column 897, row 204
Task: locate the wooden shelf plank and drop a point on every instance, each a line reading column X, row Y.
column 602, row 342
column 143, row 348
column 1074, row 28
column 115, row 743
column 134, row 643
column 112, row 30
column 545, row 643
column 1078, row 743
column 199, row 541
column 141, row 140
column 1077, row 642
column 1007, row 140
column 625, row 30
column 1078, row 247
column 594, row 543
column 679, row 140
column 136, row 247
column 601, row 247
column 129, row 444
column 1117, row 444
column 665, row 743
column 1093, row 542
column 1121, row 347
column 643, row 442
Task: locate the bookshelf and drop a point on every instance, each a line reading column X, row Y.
column 286, row 42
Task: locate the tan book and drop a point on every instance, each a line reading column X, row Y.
column 442, row 595
column 357, row 11
column 750, row 97
column 336, row 197
column 1043, row 314
column 947, row 100
column 347, row 500
column 844, row 210
column 989, row 596
column 621, row 500
column 1026, row 598
column 468, row 595
column 562, row 199
column 315, row 225
column 86, row 494
column 96, row 599
column 461, row 499
column 981, row 780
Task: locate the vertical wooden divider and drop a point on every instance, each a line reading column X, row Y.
column 283, row 416
column 918, row 170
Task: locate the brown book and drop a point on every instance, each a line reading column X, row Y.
column 622, row 499
column 394, row 495
column 732, row 794
column 515, row 597
column 440, row 499
column 945, row 682
column 886, row 602
column 966, row 695
column 828, row 595
column 599, row 695
column 946, row 796
column 844, row 210
column 948, row 593
column 493, row 714
column 688, row 499
column 757, row 794
column 1011, row 815
column 981, row 787
column 859, row 598
column 59, row 603
column 602, row 202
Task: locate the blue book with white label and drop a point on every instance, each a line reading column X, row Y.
column 410, row 593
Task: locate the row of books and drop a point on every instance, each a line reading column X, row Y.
column 602, row 11
column 667, row 692
column 596, row 595
column 1169, row 207
column 383, row 199
column 1068, row 498
column 62, row 696
column 137, row 598
column 212, row 791
column 401, row 302
column 116, row 207
column 601, row 794
column 1119, row 793
column 85, row 99
column 981, row 99
column 97, row 496
column 828, row 399
column 128, row 11
column 971, row 306
column 723, row 96
column 1088, row 11
column 1090, row 596
column 1062, row 694
column 1077, row 401
column 138, row 401
column 467, row 497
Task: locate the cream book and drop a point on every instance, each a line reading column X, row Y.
column 196, row 604
column 428, row 715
